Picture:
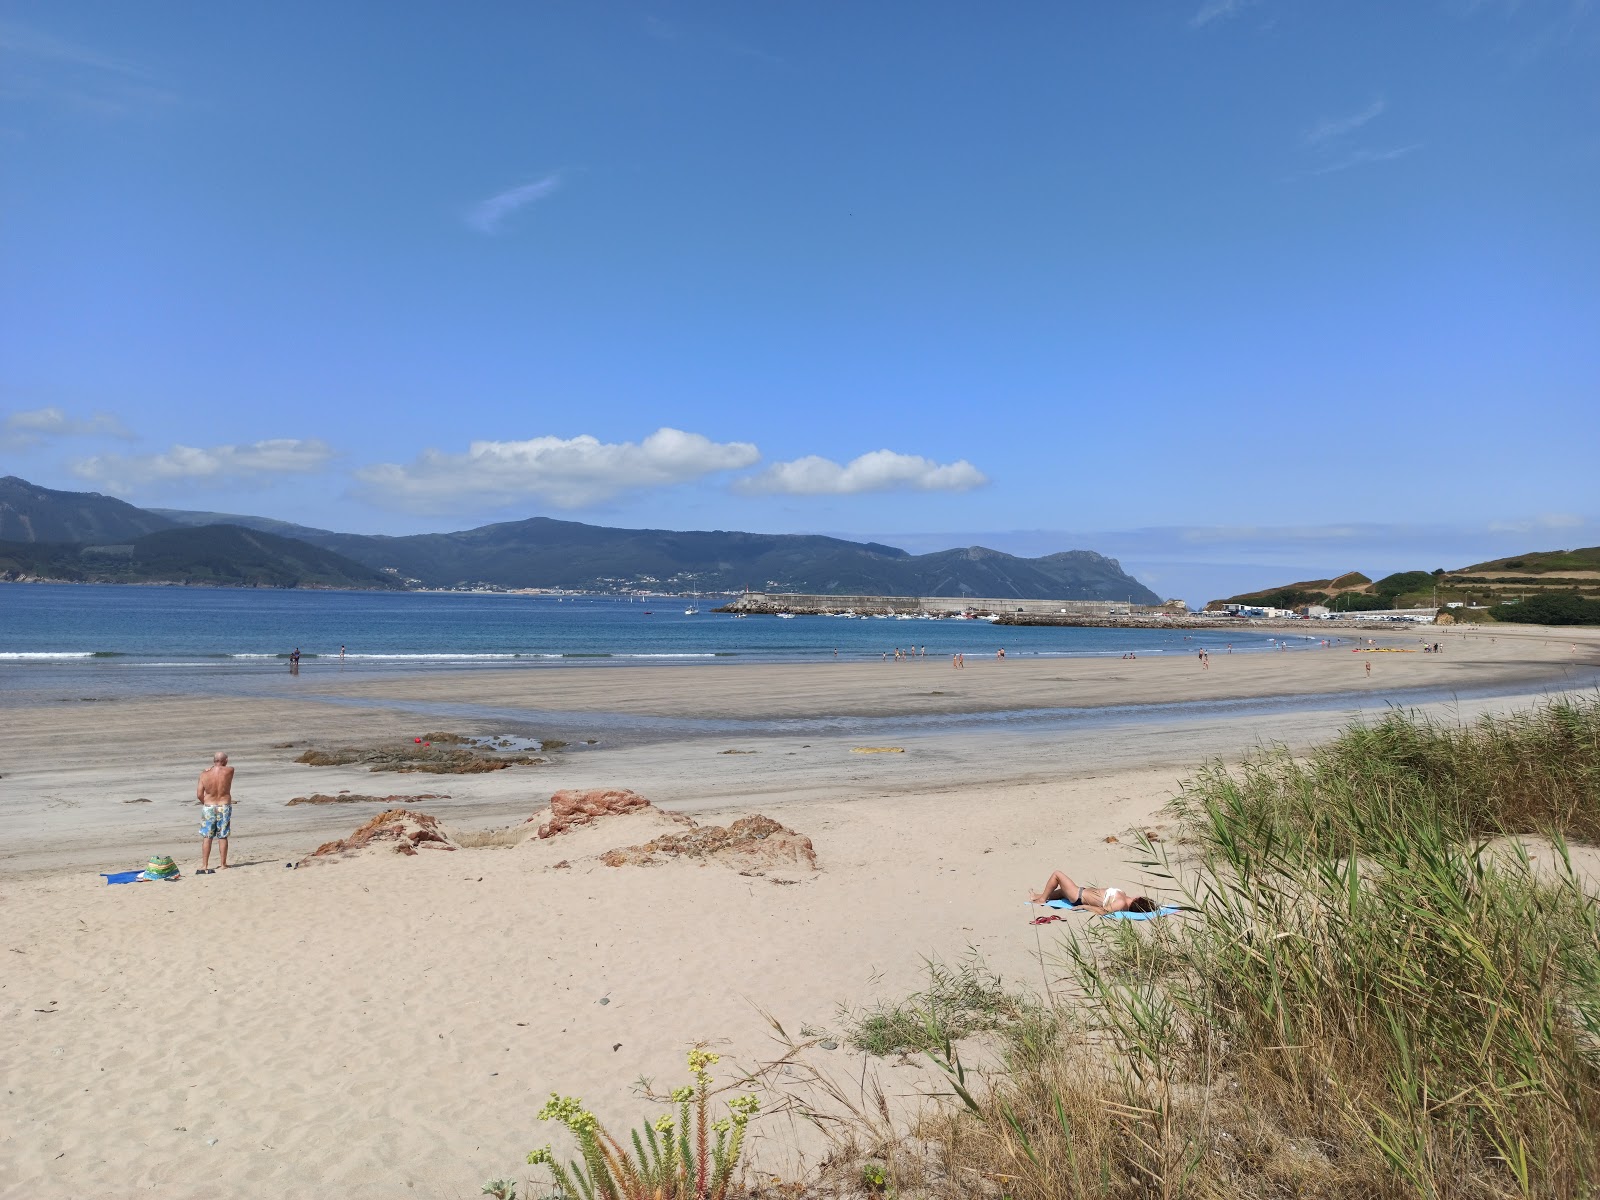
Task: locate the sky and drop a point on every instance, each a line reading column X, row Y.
column 1236, row 291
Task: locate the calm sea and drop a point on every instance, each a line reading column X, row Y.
column 72, row 643
column 78, row 633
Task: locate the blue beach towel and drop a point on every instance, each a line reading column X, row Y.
column 122, row 877
column 1166, row 910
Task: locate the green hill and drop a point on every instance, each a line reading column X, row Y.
column 29, row 513
column 1548, row 587
column 542, row 552
column 221, row 555
column 539, row 552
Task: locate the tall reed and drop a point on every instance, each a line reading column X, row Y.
column 1368, row 998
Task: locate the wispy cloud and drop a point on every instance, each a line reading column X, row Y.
column 566, row 472
column 212, row 464
column 41, row 66
column 1539, row 524
column 1328, row 143
column 1334, row 127
column 35, row 43
column 879, row 471
column 1219, row 10
column 1363, row 158
column 488, row 215
column 29, row 427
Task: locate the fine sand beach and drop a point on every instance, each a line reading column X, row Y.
column 381, row 1024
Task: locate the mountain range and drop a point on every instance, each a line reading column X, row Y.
column 538, row 552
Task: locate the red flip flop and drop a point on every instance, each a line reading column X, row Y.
column 1045, row 920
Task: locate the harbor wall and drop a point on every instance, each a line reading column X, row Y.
column 804, row 603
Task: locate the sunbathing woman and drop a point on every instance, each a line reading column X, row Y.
column 1096, row 900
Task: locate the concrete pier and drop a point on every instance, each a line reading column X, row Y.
column 936, row 606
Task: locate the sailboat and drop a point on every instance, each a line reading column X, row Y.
column 694, row 606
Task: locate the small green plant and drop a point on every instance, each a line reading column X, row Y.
column 959, row 1001
column 874, row 1178
column 682, row 1156
column 500, row 1189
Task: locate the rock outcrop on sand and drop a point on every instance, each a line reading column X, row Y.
column 572, row 808
column 418, row 756
column 353, row 798
column 399, row 829
column 583, row 827
column 585, row 821
column 750, row 844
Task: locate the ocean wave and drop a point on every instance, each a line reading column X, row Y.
column 429, row 657
column 695, row 654
column 31, row 654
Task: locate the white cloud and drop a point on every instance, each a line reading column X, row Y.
column 214, row 464
column 1332, row 127
column 31, row 426
column 1362, row 158
column 1541, row 522
column 487, row 215
column 566, row 472
column 879, row 471
column 1215, row 10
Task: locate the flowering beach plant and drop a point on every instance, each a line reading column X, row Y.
column 681, row 1155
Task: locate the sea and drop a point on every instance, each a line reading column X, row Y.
column 71, row 643
column 150, row 638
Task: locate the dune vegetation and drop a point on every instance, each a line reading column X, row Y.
column 1386, row 983
column 1376, row 991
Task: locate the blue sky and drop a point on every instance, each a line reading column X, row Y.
column 1235, row 290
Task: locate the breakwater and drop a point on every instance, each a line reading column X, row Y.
column 810, row 604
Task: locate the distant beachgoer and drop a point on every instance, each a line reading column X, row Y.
column 1000, row 653
column 836, row 652
column 341, row 653
column 215, row 793
column 1099, row 900
column 1368, row 665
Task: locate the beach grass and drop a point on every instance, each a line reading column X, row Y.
column 1375, row 994
column 1385, row 983
column 959, row 1001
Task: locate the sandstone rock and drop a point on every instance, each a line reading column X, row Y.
column 750, row 842
column 570, row 809
column 405, row 829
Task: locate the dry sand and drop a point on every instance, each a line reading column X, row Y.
column 387, row 1026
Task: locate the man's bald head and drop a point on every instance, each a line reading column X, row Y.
column 219, row 759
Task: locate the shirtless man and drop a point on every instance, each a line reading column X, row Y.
column 215, row 793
